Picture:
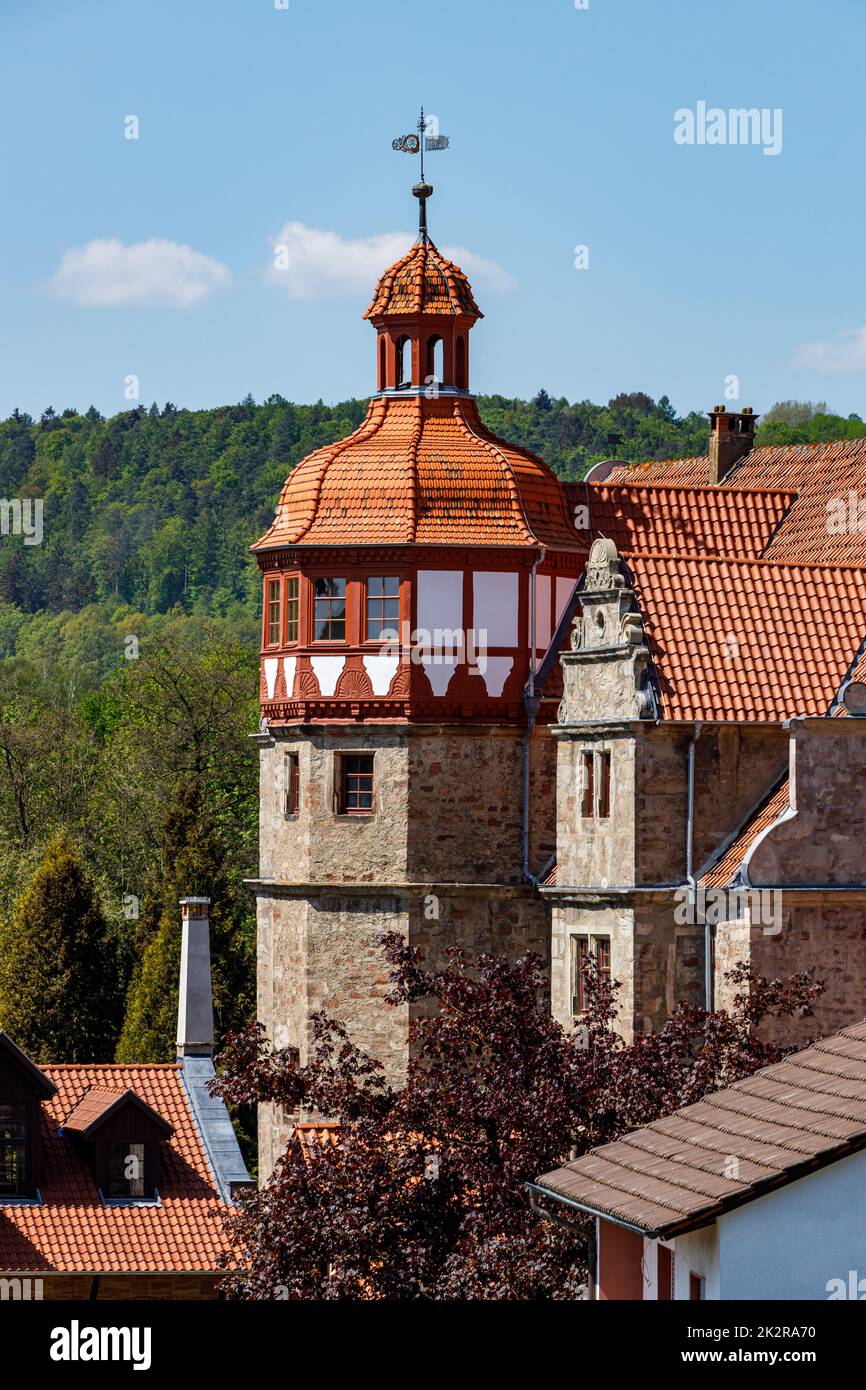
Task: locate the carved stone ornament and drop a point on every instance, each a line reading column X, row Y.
column 602, row 570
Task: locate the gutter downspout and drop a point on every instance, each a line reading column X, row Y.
column 532, row 702
column 690, row 877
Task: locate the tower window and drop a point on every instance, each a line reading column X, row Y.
column 354, row 784
column 584, row 948
column 330, row 610
column 595, row 785
column 13, row 1150
column 435, row 359
column 125, row 1170
column 292, row 607
column 293, row 784
column 404, row 362
column 383, row 607
column 461, row 363
column 272, row 612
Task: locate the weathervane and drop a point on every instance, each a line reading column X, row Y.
column 417, row 144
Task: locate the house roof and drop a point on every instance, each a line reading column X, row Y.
column 97, row 1104
column 684, row 1171
column 73, row 1231
column 426, row 472
column 423, row 282
column 748, row 639
column 736, row 521
column 820, row 474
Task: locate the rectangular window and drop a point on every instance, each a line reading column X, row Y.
column 13, row 1150
column 696, row 1287
column 292, row 607
column 273, row 613
column 355, row 784
column 329, row 610
column 293, row 784
column 125, row 1170
column 604, row 784
column 383, row 607
column 587, row 790
column 582, row 947
column 595, row 785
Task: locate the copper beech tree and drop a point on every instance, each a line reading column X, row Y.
column 423, row 1194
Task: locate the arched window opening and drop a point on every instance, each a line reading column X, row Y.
column 460, row 373
column 404, row 362
column 435, row 359
column 382, row 361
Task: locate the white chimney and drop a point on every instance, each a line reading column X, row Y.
column 195, row 1001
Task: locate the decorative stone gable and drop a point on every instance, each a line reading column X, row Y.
column 606, row 674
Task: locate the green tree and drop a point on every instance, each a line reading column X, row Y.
column 60, row 992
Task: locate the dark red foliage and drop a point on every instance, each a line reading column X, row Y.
column 424, row 1196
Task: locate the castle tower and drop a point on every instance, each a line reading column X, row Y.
column 413, row 579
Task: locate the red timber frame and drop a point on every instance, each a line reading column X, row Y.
column 410, row 696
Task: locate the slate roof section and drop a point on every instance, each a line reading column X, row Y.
column 423, row 282
column 677, row 1175
column 747, row 639
column 426, row 472
column 820, row 474
column 72, row 1231
column 661, row 517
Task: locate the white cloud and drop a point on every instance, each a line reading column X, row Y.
column 324, row 265
column 845, row 353
column 157, row 274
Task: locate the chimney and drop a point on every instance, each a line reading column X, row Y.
column 732, row 434
column 195, row 1001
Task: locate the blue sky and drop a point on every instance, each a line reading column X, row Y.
column 705, row 262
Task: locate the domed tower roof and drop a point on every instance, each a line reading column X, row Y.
column 423, row 469
column 423, row 282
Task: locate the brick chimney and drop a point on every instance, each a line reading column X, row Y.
column 195, row 1000
column 732, row 434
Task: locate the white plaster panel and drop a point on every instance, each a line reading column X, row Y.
column 439, row 672
column 563, row 590
column 543, row 633
column 496, row 595
column 381, row 670
column 272, row 664
column 496, row 673
column 440, row 600
column 289, row 664
column 327, row 670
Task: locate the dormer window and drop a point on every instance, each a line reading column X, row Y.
column 13, row 1149
column 120, row 1137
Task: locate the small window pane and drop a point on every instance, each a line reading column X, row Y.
column 125, row 1170
column 383, row 607
column 292, row 607
column 330, row 610
column 356, row 784
column 13, row 1150
column 273, row 612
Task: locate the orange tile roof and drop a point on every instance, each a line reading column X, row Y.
column 423, row 282
column 93, row 1106
column 724, row 867
column 683, row 519
column 748, row 639
column 422, row 471
column 73, row 1232
column 820, row 474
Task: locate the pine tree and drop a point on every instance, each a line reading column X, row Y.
column 193, row 866
column 60, row 986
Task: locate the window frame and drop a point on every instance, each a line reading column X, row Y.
column 346, row 581
column 127, row 1146
column 583, row 945
column 341, row 789
column 596, row 783
column 697, row 1287
column 291, row 599
column 22, row 1182
column 273, row 582
column 383, row 598
column 292, row 785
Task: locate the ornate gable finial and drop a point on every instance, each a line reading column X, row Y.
column 603, row 567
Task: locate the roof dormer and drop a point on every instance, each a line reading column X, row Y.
column 23, row 1087
column 121, row 1136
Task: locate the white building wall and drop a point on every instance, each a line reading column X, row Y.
column 792, row 1243
column 697, row 1253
